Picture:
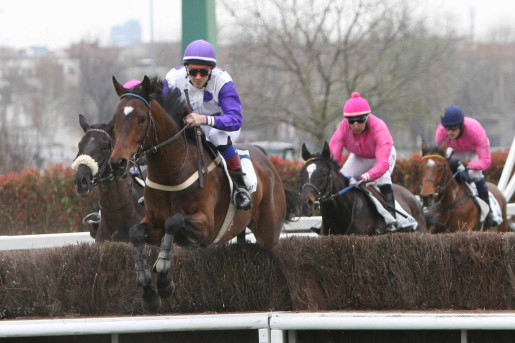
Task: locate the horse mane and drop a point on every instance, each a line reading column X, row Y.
column 330, row 161
column 434, row 149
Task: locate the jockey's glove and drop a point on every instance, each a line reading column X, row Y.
column 463, row 170
column 355, row 181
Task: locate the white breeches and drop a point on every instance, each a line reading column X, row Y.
column 219, row 137
column 355, row 166
column 474, row 175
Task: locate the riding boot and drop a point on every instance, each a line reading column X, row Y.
column 489, row 220
column 242, row 198
column 141, row 201
column 387, row 191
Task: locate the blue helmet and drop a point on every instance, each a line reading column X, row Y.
column 200, row 52
column 452, row 116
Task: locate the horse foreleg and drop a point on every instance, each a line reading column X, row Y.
column 150, row 301
column 165, row 285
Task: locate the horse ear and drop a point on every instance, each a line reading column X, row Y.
column 83, row 122
column 423, row 147
column 120, row 89
column 306, row 155
column 326, row 152
column 146, row 86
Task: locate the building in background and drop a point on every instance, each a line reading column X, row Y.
column 126, row 34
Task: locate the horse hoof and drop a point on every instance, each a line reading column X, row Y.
column 165, row 292
column 152, row 305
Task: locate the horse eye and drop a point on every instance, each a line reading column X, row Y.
column 142, row 119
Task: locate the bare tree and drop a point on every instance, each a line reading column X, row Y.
column 95, row 91
column 297, row 61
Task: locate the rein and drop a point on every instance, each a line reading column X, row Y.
column 440, row 189
column 321, row 197
column 443, row 188
column 153, row 149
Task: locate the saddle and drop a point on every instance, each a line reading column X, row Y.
column 403, row 218
column 483, row 206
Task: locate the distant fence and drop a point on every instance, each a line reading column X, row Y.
column 54, row 240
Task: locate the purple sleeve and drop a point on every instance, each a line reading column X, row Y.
column 229, row 102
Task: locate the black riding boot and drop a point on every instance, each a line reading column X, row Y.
column 489, row 220
column 242, row 198
column 390, row 200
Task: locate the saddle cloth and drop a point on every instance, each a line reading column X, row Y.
column 405, row 219
column 250, row 180
column 247, row 167
column 483, row 206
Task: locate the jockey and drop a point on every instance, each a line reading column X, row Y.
column 215, row 106
column 372, row 154
column 467, row 140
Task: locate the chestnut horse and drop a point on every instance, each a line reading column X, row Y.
column 117, row 198
column 347, row 209
column 450, row 203
column 178, row 209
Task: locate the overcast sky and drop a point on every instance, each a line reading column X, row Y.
column 58, row 23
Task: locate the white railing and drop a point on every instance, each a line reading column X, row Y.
column 272, row 327
column 54, row 240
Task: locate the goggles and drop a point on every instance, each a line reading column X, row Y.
column 358, row 120
column 203, row 72
column 452, row 127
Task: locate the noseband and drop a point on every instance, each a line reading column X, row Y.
column 152, row 126
column 99, row 176
column 440, row 189
column 326, row 194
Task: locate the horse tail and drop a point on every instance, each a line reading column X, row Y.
column 293, row 203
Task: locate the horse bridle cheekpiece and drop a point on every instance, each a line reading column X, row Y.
column 321, row 196
column 439, row 188
column 97, row 167
column 153, row 149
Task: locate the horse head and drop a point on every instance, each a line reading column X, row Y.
column 133, row 125
column 316, row 180
column 92, row 158
column 436, row 173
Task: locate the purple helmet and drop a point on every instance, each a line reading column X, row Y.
column 200, row 52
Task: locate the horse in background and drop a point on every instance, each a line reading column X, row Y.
column 347, row 209
column 178, row 208
column 449, row 203
column 117, row 198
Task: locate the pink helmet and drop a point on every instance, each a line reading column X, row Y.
column 356, row 106
column 132, row 83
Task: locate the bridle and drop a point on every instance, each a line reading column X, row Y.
column 440, row 188
column 104, row 164
column 326, row 194
column 152, row 127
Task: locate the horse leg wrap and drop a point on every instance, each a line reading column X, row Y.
column 143, row 274
column 163, row 263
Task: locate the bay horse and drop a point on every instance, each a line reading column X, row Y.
column 347, row 209
column 178, row 209
column 117, row 197
column 449, row 202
